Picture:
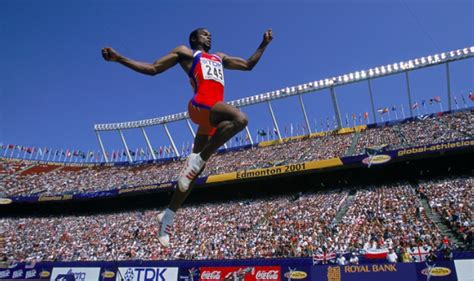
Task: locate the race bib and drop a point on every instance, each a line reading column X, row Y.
column 212, row 70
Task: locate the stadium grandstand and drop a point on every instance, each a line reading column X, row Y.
column 388, row 196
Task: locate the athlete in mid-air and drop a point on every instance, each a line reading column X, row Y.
column 217, row 121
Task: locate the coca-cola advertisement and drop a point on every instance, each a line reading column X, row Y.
column 240, row 273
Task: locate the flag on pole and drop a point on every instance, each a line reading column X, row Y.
column 437, row 98
column 382, row 110
column 471, row 96
column 366, row 115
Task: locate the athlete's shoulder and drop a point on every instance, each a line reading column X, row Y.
column 183, row 51
column 220, row 55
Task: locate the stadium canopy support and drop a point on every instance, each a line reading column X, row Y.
column 449, row 87
column 410, row 104
column 191, row 128
column 304, row 114
column 372, row 101
column 127, row 151
column 275, row 124
column 150, row 148
column 249, row 135
column 176, row 152
column 336, row 108
column 101, row 146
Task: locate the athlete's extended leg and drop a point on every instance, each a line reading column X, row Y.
column 228, row 121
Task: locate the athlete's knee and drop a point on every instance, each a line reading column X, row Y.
column 241, row 121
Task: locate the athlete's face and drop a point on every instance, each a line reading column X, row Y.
column 204, row 39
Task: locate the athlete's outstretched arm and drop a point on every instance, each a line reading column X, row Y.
column 160, row 65
column 242, row 64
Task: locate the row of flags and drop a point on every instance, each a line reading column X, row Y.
column 416, row 254
column 241, row 139
column 67, row 155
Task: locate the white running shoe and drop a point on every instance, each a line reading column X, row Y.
column 193, row 166
column 166, row 227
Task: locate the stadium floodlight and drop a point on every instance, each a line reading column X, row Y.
column 436, row 58
column 363, row 74
column 452, row 54
column 382, row 69
column 377, row 71
column 371, row 72
column 443, row 56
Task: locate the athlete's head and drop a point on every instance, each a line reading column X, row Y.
column 200, row 38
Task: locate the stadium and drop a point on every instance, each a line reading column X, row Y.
column 380, row 200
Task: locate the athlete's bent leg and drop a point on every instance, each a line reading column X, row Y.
column 200, row 141
column 228, row 121
column 166, row 218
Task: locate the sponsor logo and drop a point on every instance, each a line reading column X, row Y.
column 193, row 273
column 267, row 275
column 377, row 159
column 45, row 274
column 79, row 273
column 436, row 271
column 5, row 201
column 30, row 274
column 147, row 273
column 81, row 276
column 296, row 275
column 213, row 275
column 17, row 273
column 4, row 273
column 108, row 274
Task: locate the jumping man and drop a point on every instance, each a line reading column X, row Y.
column 217, row 121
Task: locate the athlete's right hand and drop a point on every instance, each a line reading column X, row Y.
column 110, row 54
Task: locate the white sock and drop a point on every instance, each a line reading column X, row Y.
column 202, row 160
column 169, row 213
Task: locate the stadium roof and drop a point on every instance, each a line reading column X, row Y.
column 313, row 86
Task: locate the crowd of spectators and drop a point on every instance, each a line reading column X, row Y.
column 453, row 200
column 387, row 216
column 273, row 227
column 18, row 180
column 297, row 225
column 438, row 129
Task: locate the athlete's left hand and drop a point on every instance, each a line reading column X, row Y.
column 268, row 36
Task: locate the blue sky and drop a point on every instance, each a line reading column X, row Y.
column 54, row 85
